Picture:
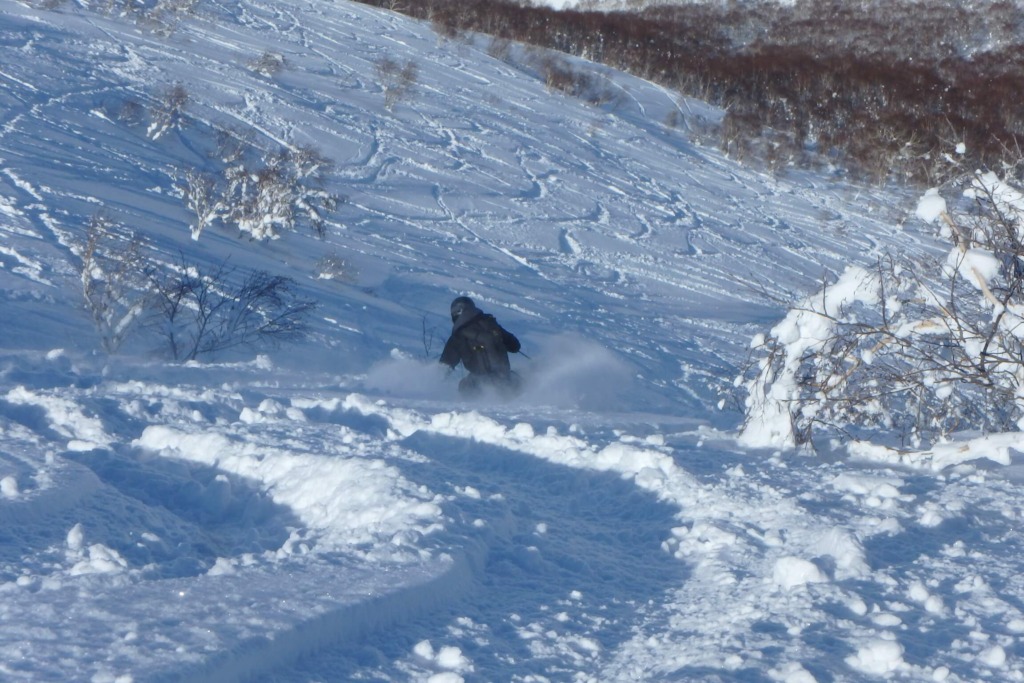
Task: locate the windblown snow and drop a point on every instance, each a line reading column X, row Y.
column 331, row 510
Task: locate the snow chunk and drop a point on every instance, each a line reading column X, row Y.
column 790, row 572
column 446, row 677
column 451, row 658
column 845, row 548
column 9, row 487
column 448, row 658
column 994, row 447
column 994, row 656
column 223, row 566
column 793, row 672
column 877, row 657
column 976, row 266
column 931, row 206
column 931, row 603
column 871, row 487
column 96, row 559
column 100, row 560
column 75, row 538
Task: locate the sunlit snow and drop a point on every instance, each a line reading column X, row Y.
column 333, row 511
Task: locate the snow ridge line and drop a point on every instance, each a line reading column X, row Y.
column 649, row 469
column 346, row 622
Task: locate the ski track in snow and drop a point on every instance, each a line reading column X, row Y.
column 333, row 515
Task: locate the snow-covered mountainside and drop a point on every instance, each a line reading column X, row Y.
column 331, row 510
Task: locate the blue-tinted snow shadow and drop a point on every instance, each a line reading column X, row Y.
column 598, row 526
column 183, row 515
column 167, row 518
column 538, row 532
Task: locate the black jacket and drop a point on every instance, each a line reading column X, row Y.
column 480, row 344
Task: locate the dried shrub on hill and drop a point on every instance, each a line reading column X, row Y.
column 199, row 313
column 397, row 80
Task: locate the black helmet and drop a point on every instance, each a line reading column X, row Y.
column 461, row 304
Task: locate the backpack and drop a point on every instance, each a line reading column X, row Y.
column 484, row 347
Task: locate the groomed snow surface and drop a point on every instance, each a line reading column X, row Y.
column 332, row 511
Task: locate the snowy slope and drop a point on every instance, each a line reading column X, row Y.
column 332, row 511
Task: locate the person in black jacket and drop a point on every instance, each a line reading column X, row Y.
column 482, row 346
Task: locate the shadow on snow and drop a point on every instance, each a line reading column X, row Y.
column 561, row 554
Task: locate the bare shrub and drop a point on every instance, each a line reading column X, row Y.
column 429, row 336
column 169, row 111
column 397, row 80
column 740, row 131
column 163, row 19
column 130, row 113
column 233, row 145
column 500, row 49
column 559, row 74
column 444, row 28
column 268, row 64
column 44, row 4
column 261, row 193
column 160, row 17
column 177, row 8
column 200, row 314
column 115, row 280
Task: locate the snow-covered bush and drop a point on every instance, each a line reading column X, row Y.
column 203, row 200
column 115, row 280
column 920, row 349
column 261, row 195
column 284, row 189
